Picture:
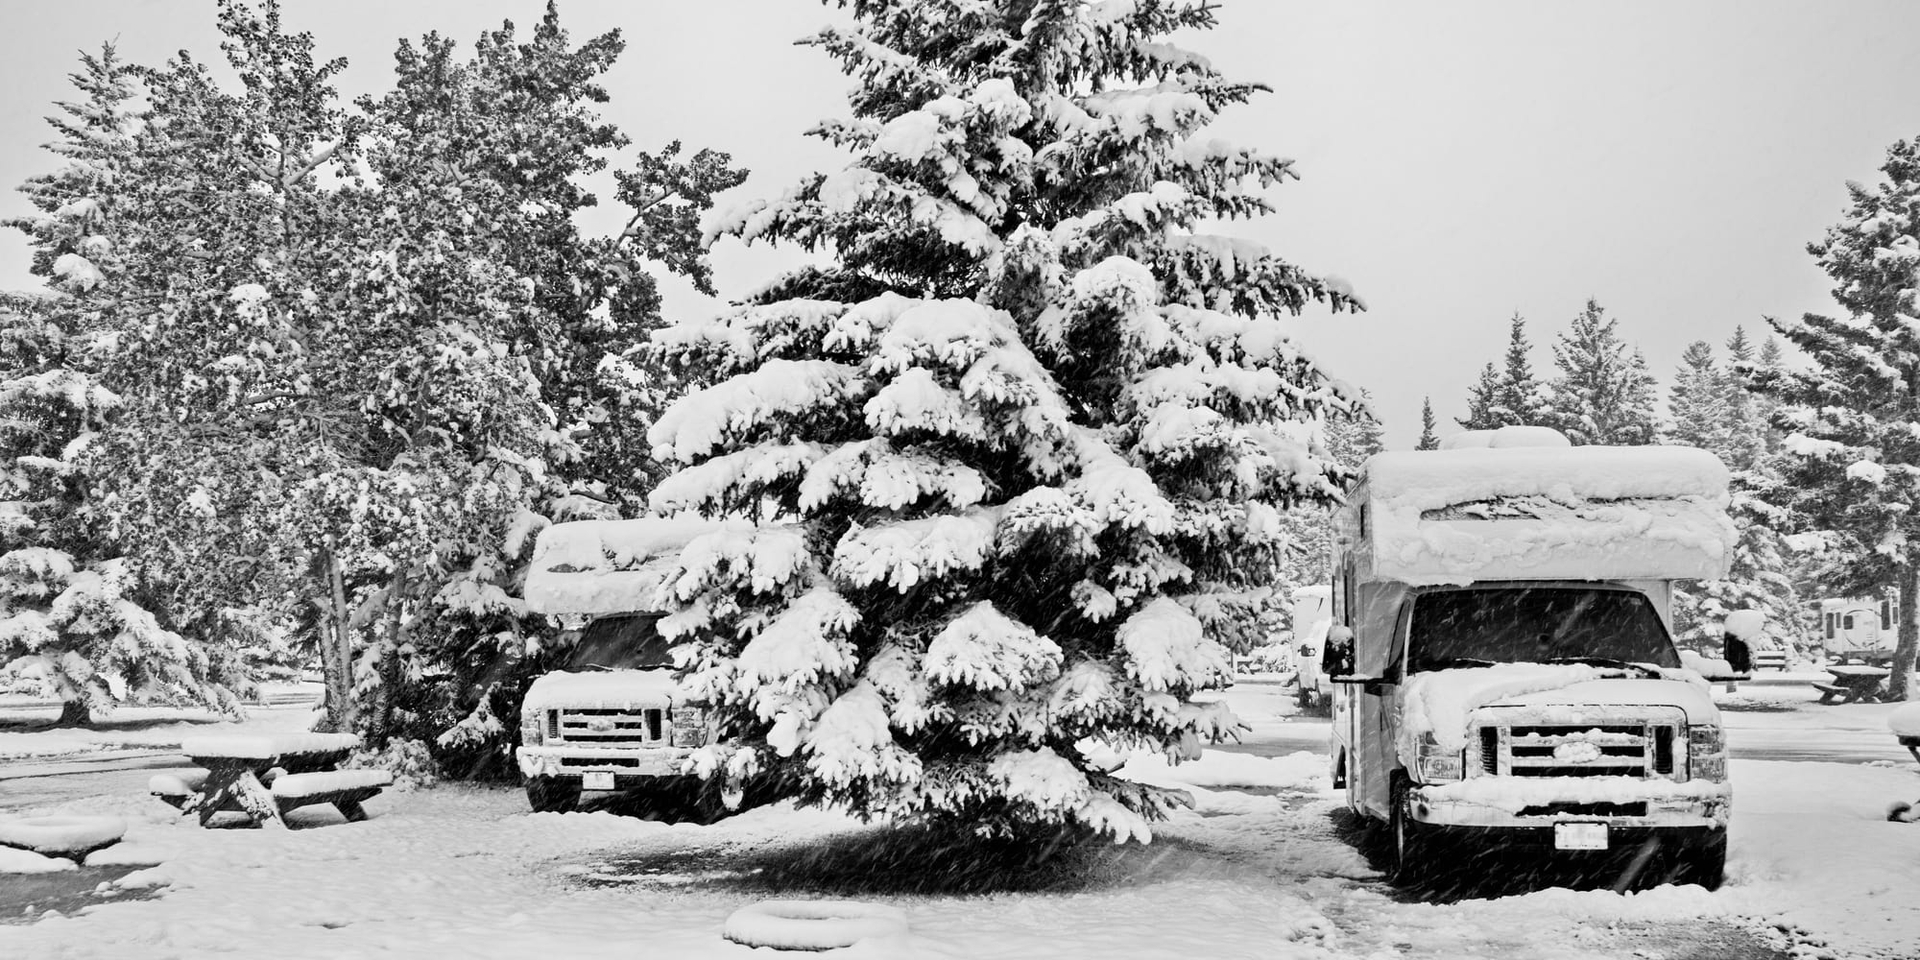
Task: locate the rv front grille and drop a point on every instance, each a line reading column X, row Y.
column 609, row 727
column 1636, row 750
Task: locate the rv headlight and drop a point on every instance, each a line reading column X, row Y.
column 689, row 727
column 1706, row 752
column 531, row 731
column 1434, row 765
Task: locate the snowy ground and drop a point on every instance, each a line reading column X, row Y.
column 1264, row 866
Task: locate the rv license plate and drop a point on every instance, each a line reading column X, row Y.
column 603, row 780
column 1577, row 836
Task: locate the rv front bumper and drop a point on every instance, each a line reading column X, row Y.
column 565, row 761
column 1657, row 809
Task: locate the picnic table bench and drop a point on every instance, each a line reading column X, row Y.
column 1853, row 684
column 264, row 776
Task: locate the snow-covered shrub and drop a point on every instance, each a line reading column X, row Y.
column 410, row 762
column 1008, row 452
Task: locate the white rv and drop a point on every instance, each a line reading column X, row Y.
column 1503, row 638
column 1853, row 629
column 612, row 720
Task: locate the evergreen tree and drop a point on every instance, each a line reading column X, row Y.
column 1355, row 435
column 74, row 621
column 1709, row 409
column 1428, row 439
column 375, row 353
column 79, row 622
column 1700, row 404
column 1481, row 398
column 1009, row 448
column 1852, row 417
column 1603, row 394
column 1516, row 401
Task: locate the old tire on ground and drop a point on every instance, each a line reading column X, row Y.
column 72, row 837
column 1702, row 859
column 813, row 924
column 552, row 794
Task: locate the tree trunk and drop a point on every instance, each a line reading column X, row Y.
column 336, row 644
column 1900, row 682
column 74, row 713
column 381, row 726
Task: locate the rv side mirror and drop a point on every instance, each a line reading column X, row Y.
column 1339, row 659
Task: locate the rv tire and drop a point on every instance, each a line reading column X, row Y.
column 1410, row 862
column 1702, row 859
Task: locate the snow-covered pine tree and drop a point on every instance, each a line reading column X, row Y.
column 372, row 356
column 74, row 623
column 1005, row 450
column 1517, row 398
column 1709, row 409
column 1481, row 397
column 1699, row 404
column 72, row 228
column 488, row 153
column 1428, row 439
column 1603, row 394
column 1852, row 415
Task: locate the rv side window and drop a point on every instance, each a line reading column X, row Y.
column 1847, row 623
column 1886, row 613
column 1346, row 587
column 1830, row 619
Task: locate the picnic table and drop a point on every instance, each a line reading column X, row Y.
column 1853, row 683
column 264, row 776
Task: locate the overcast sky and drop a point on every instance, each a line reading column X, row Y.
column 1460, row 161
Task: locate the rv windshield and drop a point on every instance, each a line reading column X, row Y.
column 1487, row 625
column 621, row 643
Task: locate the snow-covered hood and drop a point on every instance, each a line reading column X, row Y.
column 1627, row 691
column 1440, row 703
column 602, row 690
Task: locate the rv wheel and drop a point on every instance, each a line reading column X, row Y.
column 1411, row 847
column 552, row 794
column 1702, row 860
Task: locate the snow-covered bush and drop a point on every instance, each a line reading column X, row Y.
column 1007, row 451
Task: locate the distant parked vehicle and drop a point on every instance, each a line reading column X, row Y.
column 1312, row 615
column 1853, row 629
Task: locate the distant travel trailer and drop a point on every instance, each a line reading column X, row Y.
column 1856, row 629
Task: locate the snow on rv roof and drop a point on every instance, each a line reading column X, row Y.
column 600, row 567
column 1541, row 512
column 1440, row 478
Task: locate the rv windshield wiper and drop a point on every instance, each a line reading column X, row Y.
column 1610, row 662
column 1451, row 662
